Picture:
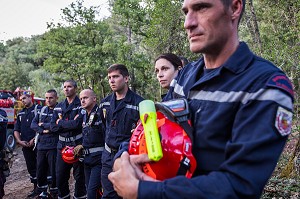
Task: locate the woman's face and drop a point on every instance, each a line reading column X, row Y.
column 165, row 72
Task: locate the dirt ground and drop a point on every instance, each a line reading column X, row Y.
column 18, row 185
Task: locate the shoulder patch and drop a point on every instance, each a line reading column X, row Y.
column 283, row 121
column 83, row 111
column 281, row 82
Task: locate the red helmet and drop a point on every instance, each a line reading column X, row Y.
column 67, row 154
column 176, row 146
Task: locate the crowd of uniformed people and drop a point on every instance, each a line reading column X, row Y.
column 93, row 131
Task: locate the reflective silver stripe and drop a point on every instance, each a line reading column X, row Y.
column 69, row 139
column 64, row 196
column 173, row 83
column 132, row 107
column 78, row 107
column 80, row 197
column 104, row 104
column 42, row 187
column 178, row 89
column 93, row 150
column 107, row 148
column 244, row 97
column 57, row 108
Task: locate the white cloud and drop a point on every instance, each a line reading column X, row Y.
column 24, row 18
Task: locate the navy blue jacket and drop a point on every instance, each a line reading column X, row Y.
column 68, row 126
column 46, row 141
column 93, row 128
column 120, row 120
column 24, row 119
column 241, row 114
column 3, row 128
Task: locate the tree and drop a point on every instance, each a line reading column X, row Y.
column 78, row 50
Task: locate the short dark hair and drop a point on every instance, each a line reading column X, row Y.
column 72, row 82
column 184, row 60
column 227, row 3
column 52, row 91
column 120, row 67
column 174, row 59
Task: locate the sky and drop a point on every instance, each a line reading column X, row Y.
column 24, row 18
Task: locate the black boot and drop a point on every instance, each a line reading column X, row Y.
column 34, row 192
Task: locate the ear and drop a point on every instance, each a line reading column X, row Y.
column 236, row 8
column 126, row 79
column 179, row 67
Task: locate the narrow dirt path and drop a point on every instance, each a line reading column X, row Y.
column 18, row 185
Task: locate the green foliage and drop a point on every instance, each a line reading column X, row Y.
column 79, row 51
column 279, row 29
column 17, row 61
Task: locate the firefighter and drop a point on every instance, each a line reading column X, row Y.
column 93, row 143
column 66, row 123
column 46, row 144
column 25, row 137
column 3, row 164
column 241, row 110
column 121, row 114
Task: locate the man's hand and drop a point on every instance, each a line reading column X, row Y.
column 127, row 173
column 78, row 151
column 23, row 143
column 31, row 142
column 46, row 131
column 40, row 123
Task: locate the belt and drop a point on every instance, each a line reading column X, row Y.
column 93, row 150
column 69, row 139
column 109, row 149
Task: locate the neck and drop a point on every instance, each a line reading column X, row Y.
column 71, row 99
column 30, row 105
column 89, row 109
column 121, row 94
column 217, row 58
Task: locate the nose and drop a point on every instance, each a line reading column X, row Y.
column 159, row 74
column 190, row 20
column 111, row 80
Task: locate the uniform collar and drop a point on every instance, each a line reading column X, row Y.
column 127, row 97
column 240, row 59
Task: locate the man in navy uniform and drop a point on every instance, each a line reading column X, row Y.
column 93, row 142
column 25, row 137
column 3, row 163
column 121, row 114
column 46, row 144
column 68, row 125
column 241, row 110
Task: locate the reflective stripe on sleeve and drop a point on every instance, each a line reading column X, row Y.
column 244, row 97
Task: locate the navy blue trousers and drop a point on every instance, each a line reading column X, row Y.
column 107, row 164
column 92, row 171
column 63, row 174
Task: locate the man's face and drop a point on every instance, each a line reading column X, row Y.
column 117, row 81
column 87, row 99
column 26, row 100
column 69, row 89
column 51, row 99
column 208, row 25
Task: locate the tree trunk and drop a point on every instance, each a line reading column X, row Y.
column 253, row 25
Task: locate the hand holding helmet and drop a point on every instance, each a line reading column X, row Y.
column 176, row 138
column 78, row 151
column 67, row 154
